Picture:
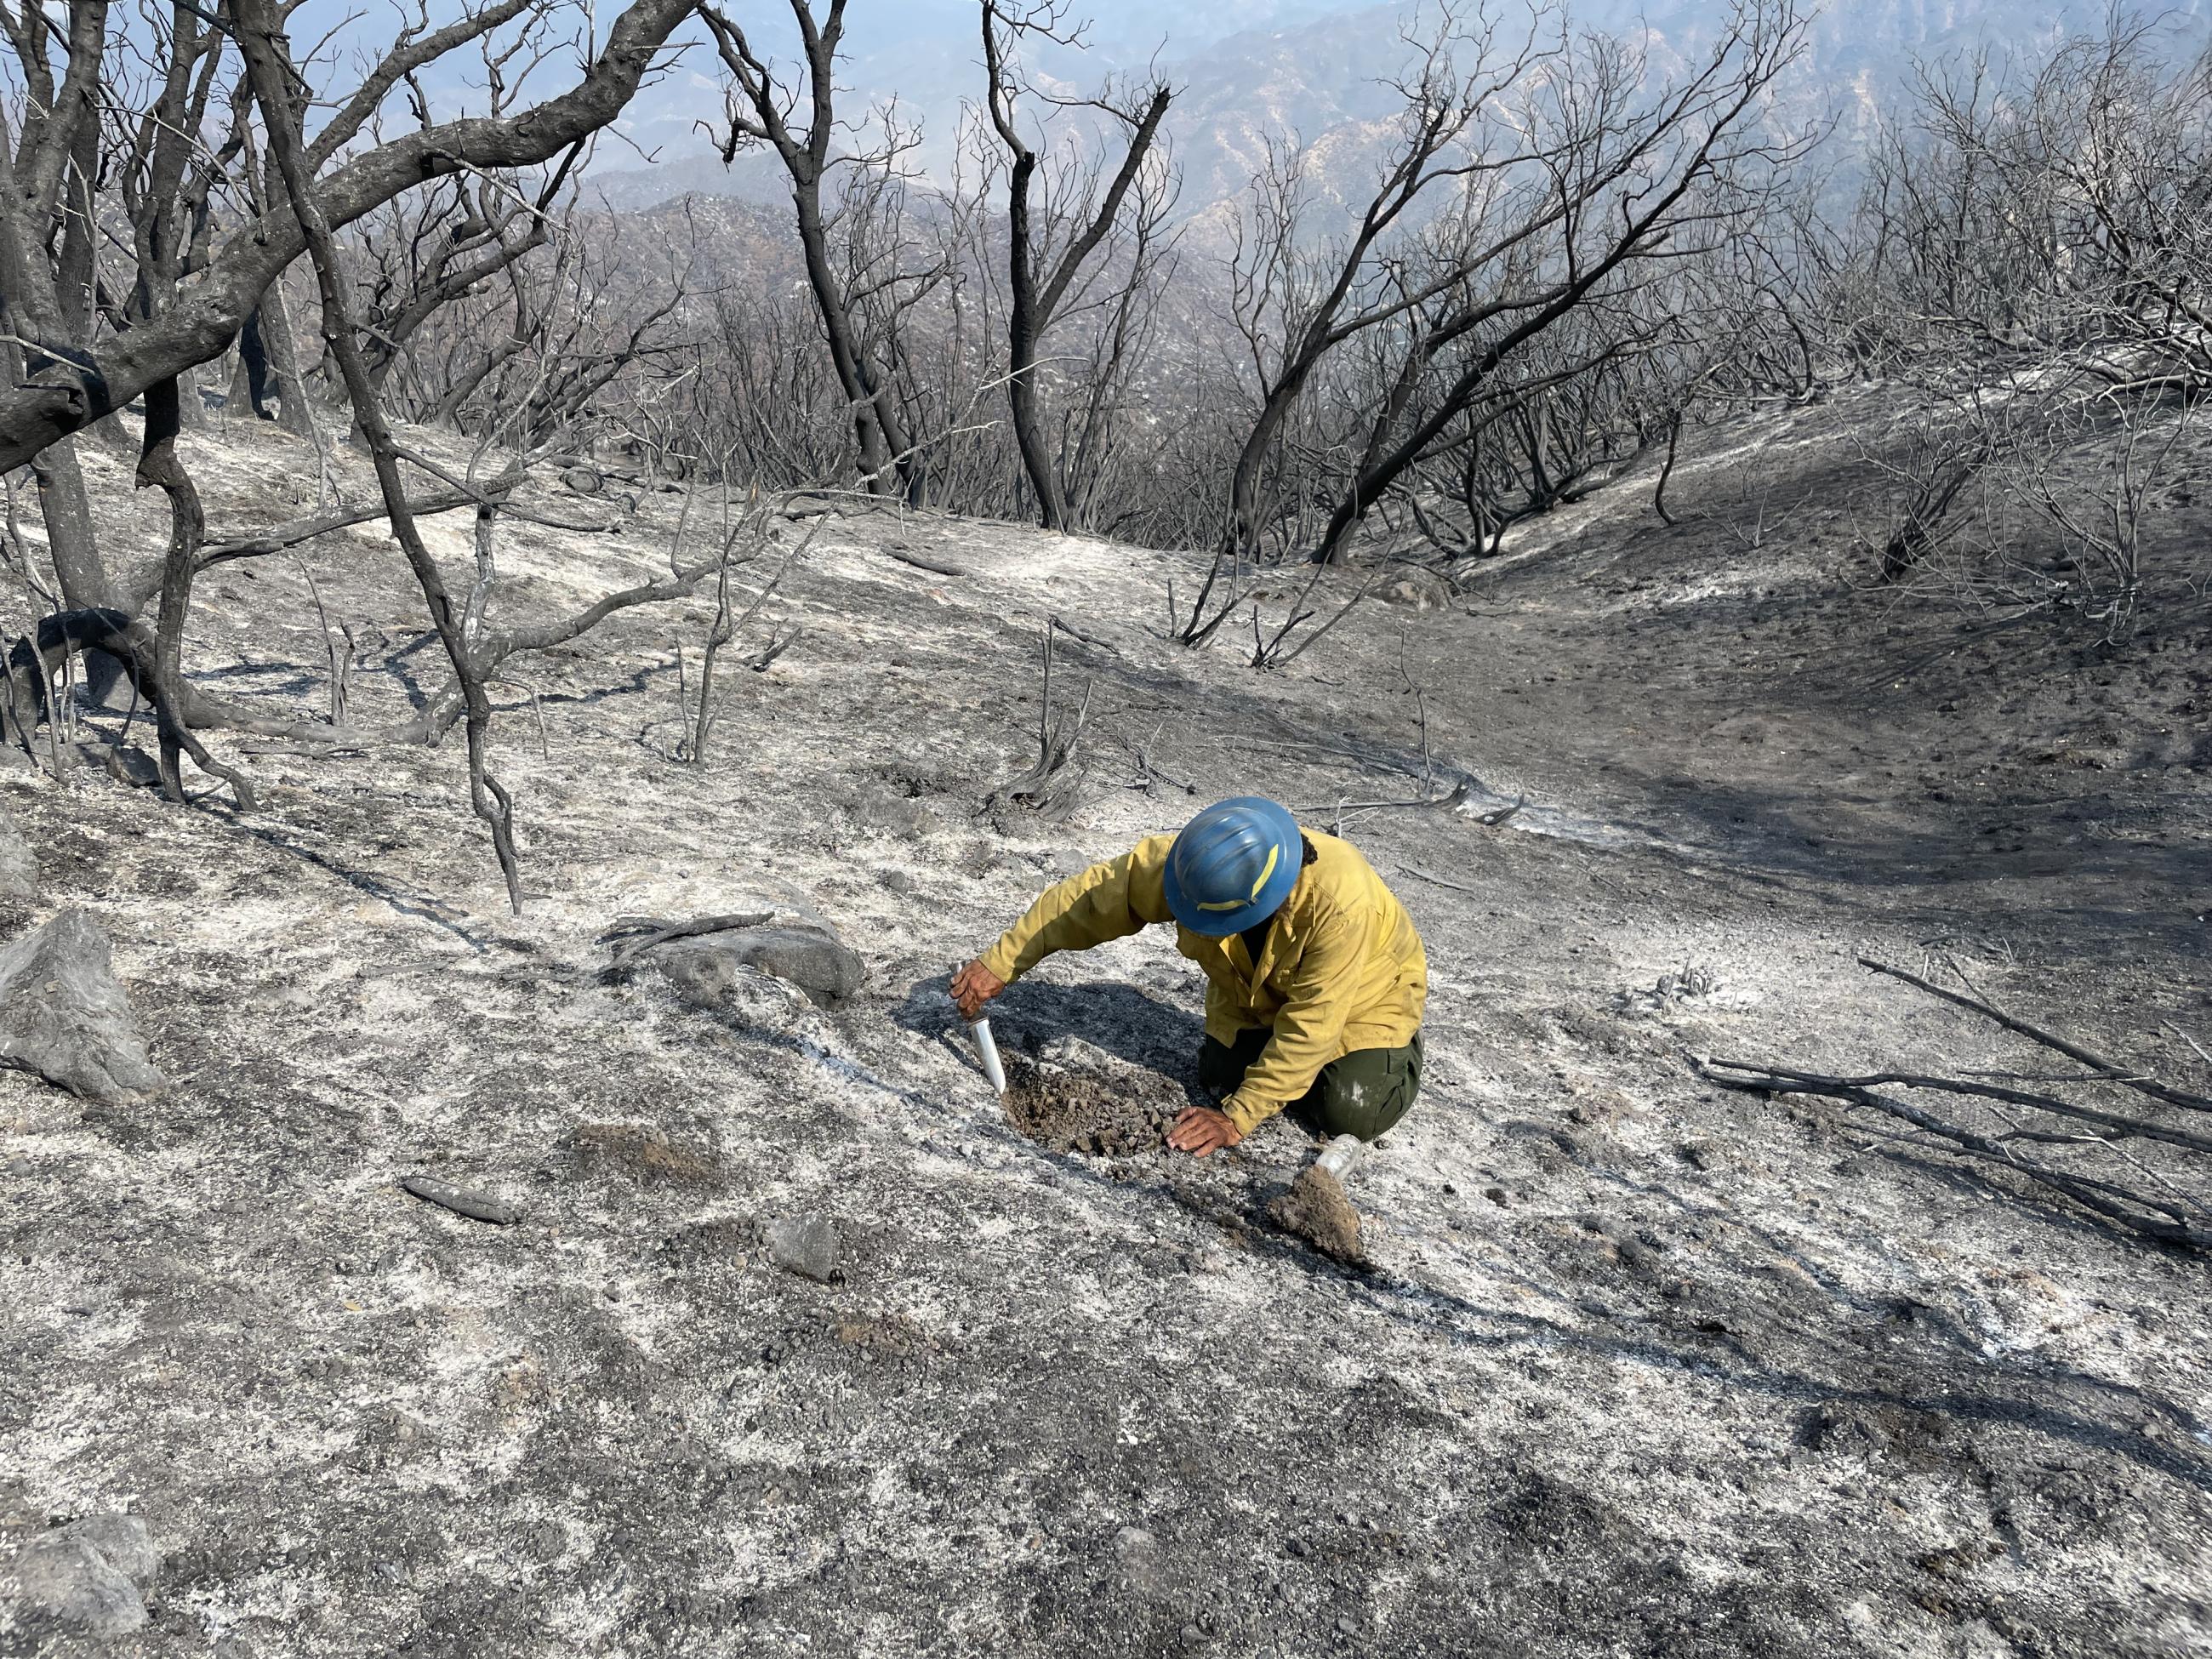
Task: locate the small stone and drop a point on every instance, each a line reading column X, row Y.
column 19, row 865
column 1142, row 1563
column 806, row 1245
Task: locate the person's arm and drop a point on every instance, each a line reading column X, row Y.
column 1308, row 1029
column 1108, row 901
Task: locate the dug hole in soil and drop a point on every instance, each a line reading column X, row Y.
column 803, row 1340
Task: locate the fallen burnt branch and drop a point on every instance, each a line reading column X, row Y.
column 2169, row 1220
column 2031, row 1117
column 2111, row 1070
column 2118, row 1127
column 639, row 934
column 1451, row 797
column 934, row 566
column 476, row 1207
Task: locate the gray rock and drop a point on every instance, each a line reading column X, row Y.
column 805, row 1244
column 63, row 1015
column 123, row 1540
column 19, row 865
column 125, row 763
column 704, row 971
column 87, row 1575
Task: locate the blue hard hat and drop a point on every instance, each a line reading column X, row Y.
column 1233, row 866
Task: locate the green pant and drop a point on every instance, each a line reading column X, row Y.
column 1363, row 1093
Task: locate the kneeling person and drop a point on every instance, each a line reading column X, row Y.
column 1316, row 977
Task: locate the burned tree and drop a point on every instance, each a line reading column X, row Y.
column 2033, row 258
column 71, row 381
column 88, row 338
column 761, row 111
column 1535, row 190
column 1050, row 246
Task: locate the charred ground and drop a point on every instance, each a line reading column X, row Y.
column 1637, row 1366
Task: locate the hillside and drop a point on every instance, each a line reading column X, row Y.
column 1321, row 73
column 1636, row 1367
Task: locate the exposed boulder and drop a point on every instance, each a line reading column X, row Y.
column 63, row 1015
column 88, row 1577
column 707, row 970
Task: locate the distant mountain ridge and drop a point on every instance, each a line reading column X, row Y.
column 1316, row 70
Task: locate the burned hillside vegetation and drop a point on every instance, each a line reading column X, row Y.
column 532, row 720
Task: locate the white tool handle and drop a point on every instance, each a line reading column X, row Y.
column 987, row 1051
column 1340, row 1154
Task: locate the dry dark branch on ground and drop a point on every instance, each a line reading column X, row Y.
column 1428, row 876
column 1452, row 797
column 2149, row 1201
column 919, row 561
column 2120, row 1128
column 476, row 1207
column 2135, row 1210
column 638, row 934
column 2112, row 1070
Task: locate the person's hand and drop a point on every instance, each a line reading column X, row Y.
column 974, row 986
column 1200, row 1129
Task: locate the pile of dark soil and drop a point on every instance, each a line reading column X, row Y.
column 1069, row 1110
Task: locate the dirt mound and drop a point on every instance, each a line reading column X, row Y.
column 1070, row 1110
column 642, row 1153
column 1316, row 1210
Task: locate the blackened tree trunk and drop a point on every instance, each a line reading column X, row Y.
column 1035, row 299
column 759, row 113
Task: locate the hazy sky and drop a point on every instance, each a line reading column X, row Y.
column 1309, row 65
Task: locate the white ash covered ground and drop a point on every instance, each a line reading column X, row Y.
column 1636, row 1367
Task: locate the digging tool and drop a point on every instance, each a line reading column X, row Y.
column 987, row 1051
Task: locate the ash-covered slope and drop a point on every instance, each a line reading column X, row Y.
column 1636, row 1369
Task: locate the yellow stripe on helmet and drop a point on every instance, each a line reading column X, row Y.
column 1265, row 871
column 1275, row 853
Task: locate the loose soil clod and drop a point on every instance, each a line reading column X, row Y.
column 1316, row 1210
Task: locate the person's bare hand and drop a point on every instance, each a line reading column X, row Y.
column 1200, row 1129
column 974, row 986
